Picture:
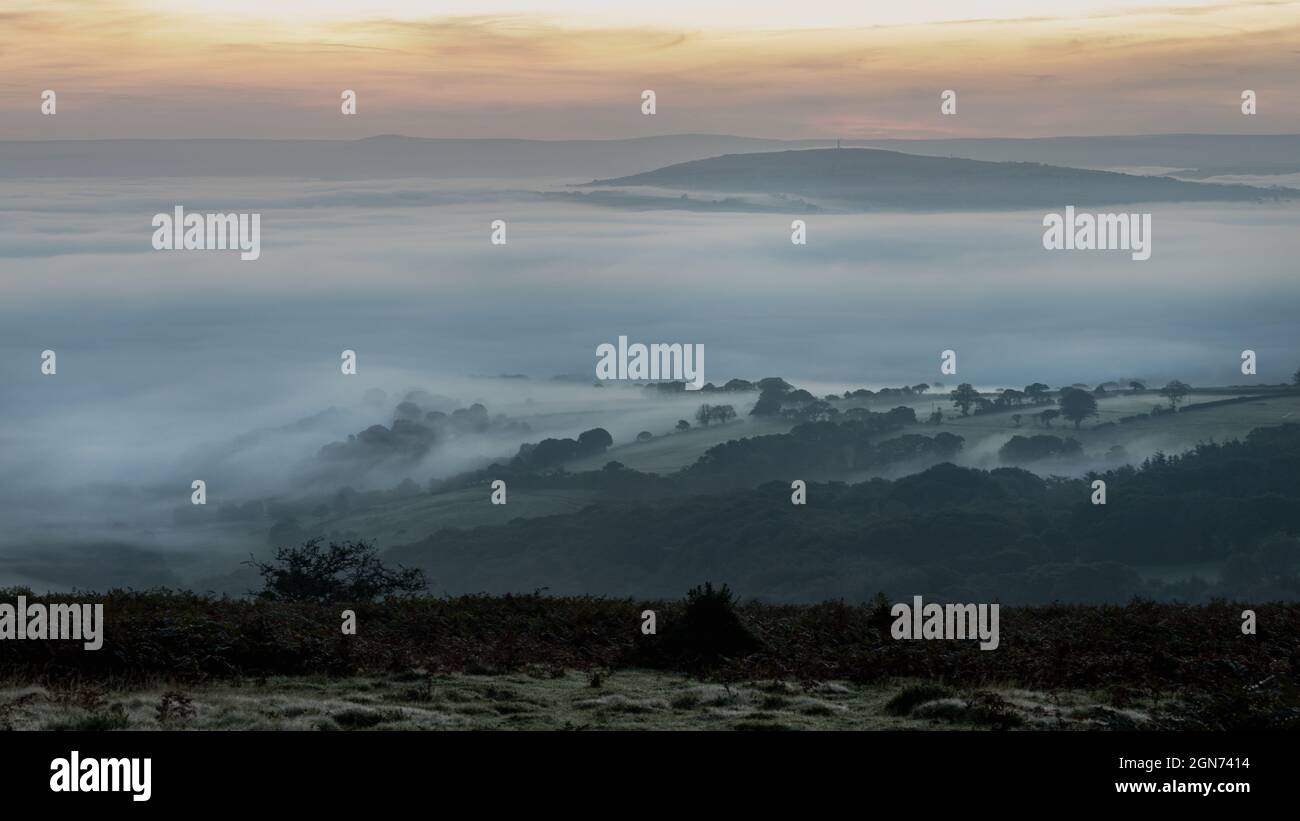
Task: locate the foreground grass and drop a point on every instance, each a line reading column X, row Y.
column 557, row 700
column 226, row 663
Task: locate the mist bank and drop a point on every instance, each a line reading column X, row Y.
column 174, row 367
column 404, row 274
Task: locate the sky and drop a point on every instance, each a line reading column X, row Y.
column 577, row 68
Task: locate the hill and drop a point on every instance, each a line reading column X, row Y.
column 1002, row 535
column 393, row 156
column 866, row 179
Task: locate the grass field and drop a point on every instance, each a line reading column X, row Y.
column 986, row 433
column 559, row 700
column 543, row 662
column 411, row 519
column 674, row 451
column 1170, row 433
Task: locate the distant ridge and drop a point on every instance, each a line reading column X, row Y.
column 390, row 156
column 382, row 157
column 1204, row 153
column 861, row 178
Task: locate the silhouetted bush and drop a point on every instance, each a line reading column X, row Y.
column 346, row 572
column 914, row 695
column 709, row 630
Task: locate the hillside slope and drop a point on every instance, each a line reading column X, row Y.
column 860, row 178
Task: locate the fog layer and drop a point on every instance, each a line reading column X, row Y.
column 175, row 366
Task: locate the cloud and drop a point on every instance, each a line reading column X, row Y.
column 162, row 75
column 176, row 366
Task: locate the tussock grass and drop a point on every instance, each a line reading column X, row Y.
column 634, row 699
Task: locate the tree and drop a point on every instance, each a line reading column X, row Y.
column 595, row 440
column 1015, row 419
column 964, row 396
column 946, row 445
column 1020, row 449
column 1037, row 393
column 1077, row 405
column 1175, row 392
column 704, row 415
column 407, row 410
column 548, row 452
column 682, row 424
column 1047, row 416
column 921, row 388
column 817, row 411
column 347, row 572
column 1010, row 397
column 474, row 418
column 1136, row 385
column 768, row 404
column 722, row 413
column 936, row 418
column 774, row 384
column 644, row 436
column 1295, row 379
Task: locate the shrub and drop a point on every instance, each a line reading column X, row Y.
column 989, row 709
column 175, row 707
column 709, row 630
column 347, row 572
column 914, row 695
column 1021, row 449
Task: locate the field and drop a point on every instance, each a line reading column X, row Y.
column 562, row 700
column 397, row 520
column 674, row 451
column 172, row 659
column 1171, row 433
column 984, row 434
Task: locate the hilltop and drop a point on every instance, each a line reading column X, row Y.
column 868, row 179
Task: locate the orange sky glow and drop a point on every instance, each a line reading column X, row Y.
column 576, row 69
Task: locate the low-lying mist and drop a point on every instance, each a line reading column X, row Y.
column 174, row 367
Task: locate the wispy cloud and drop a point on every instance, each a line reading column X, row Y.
column 122, row 70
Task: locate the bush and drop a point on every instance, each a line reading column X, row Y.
column 175, row 707
column 1021, row 449
column 709, row 632
column 347, row 572
column 915, row 695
